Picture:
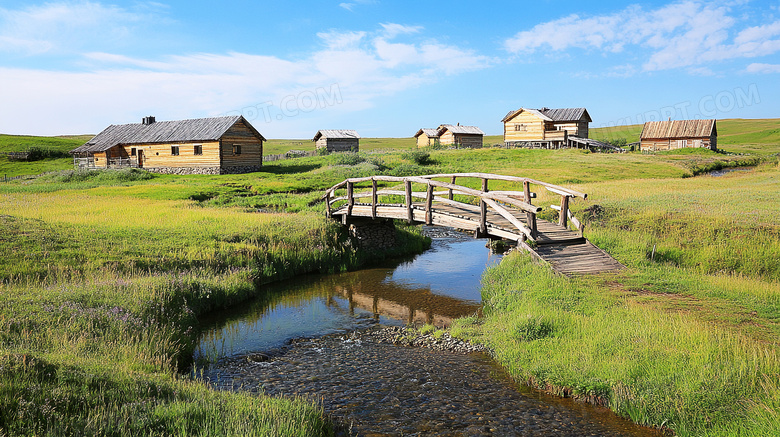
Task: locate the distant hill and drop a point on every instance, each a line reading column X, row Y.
column 21, row 143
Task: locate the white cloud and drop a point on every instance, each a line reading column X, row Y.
column 763, row 68
column 115, row 88
column 351, row 5
column 393, row 29
column 66, row 27
column 682, row 34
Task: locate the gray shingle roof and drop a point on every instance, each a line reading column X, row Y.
column 198, row 129
column 473, row 130
column 560, row 114
column 336, row 133
column 430, row 133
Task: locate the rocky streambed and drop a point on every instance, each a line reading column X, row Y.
column 393, row 381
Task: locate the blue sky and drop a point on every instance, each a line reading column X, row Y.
column 383, row 68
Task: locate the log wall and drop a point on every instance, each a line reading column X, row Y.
column 662, row 144
column 338, row 144
column 159, row 155
column 251, row 147
column 525, row 126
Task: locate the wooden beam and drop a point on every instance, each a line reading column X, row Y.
column 409, row 212
column 483, row 209
column 429, row 206
column 512, row 219
column 564, row 211
column 374, row 198
column 452, row 181
column 350, row 198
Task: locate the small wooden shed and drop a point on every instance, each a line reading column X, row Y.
column 678, row 134
column 460, row 136
column 427, row 137
column 337, row 140
column 216, row 145
column 545, row 127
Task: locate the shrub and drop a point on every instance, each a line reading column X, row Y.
column 419, row 157
column 348, row 158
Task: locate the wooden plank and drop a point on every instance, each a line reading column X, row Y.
column 374, row 198
column 428, row 205
column 410, row 214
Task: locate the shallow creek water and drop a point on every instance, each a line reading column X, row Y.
column 310, row 337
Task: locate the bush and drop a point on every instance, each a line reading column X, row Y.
column 419, row 157
column 348, row 158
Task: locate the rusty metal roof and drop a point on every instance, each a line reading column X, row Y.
column 198, row 129
column 678, row 129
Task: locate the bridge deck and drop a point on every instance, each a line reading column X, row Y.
column 567, row 251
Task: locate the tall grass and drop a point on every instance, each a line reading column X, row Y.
column 581, row 338
column 100, row 300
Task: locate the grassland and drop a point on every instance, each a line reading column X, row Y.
column 105, row 274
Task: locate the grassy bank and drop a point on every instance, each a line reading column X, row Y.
column 101, row 295
column 687, row 337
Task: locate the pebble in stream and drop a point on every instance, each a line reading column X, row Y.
column 373, row 388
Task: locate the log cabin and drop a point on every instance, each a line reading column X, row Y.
column 337, row 140
column 678, row 134
column 427, row 137
column 217, row 145
column 460, row 136
column 546, row 128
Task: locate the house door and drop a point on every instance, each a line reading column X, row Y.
column 140, row 158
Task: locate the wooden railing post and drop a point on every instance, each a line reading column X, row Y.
column 483, row 210
column 409, row 212
column 530, row 217
column 429, row 205
column 563, row 221
column 374, row 198
column 328, row 210
column 452, row 181
column 350, row 197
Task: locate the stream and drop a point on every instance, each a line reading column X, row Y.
column 320, row 337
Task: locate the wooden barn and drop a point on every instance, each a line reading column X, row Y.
column 427, row 137
column 337, row 140
column 217, row 145
column 549, row 128
column 678, row 134
column 460, row 136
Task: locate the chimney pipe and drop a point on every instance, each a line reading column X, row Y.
column 148, row 120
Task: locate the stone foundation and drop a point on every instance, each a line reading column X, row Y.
column 373, row 234
column 203, row 170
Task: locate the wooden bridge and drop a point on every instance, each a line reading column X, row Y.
column 500, row 213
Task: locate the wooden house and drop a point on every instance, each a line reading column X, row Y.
column 678, row 134
column 460, row 136
column 427, row 137
column 217, row 145
column 550, row 128
column 337, row 140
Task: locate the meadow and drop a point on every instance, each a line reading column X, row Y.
column 105, row 275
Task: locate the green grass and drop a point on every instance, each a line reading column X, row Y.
column 687, row 336
column 104, row 276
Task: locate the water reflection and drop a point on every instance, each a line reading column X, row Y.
column 434, row 287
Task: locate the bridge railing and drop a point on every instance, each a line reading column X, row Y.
column 496, row 200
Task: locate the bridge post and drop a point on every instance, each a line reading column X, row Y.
column 429, row 205
column 350, row 197
column 564, row 211
column 529, row 216
column 452, row 181
column 373, row 198
column 483, row 210
column 328, row 210
column 409, row 212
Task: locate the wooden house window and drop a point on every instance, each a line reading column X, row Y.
column 198, row 149
column 132, row 151
column 175, row 150
column 236, row 149
column 520, row 128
